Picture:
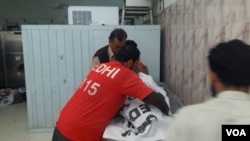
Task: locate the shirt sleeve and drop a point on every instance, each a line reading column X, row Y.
column 95, row 62
column 135, row 87
column 179, row 128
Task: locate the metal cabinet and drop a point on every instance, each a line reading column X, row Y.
column 1, row 65
column 13, row 64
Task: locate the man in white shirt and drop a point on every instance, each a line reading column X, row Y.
column 117, row 39
column 229, row 73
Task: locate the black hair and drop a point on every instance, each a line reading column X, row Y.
column 118, row 34
column 127, row 52
column 131, row 43
column 231, row 62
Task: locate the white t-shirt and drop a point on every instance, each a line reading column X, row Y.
column 203, row 122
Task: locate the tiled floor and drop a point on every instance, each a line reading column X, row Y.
column 14, row 125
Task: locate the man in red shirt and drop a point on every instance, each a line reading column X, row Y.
column 100, row 97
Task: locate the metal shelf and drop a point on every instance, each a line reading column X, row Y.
column 14, row 53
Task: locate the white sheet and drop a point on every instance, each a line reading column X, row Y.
column 138, row 121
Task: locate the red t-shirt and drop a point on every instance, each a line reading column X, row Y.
column 98, row 100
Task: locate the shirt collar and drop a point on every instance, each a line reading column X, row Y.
column 237, row 95
column 110, row 53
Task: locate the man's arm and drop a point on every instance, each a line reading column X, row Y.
column 157, row 100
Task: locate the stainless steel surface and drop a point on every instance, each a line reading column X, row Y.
column 12, row 52
column 1, row 65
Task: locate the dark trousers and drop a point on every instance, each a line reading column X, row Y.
column 58, row 136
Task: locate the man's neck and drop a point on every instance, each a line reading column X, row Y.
column 232, row 88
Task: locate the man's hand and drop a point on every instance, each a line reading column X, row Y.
column 157, row 100
column 140, row 67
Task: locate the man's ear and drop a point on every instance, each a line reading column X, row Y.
column 213, row 76
column 129, row 63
